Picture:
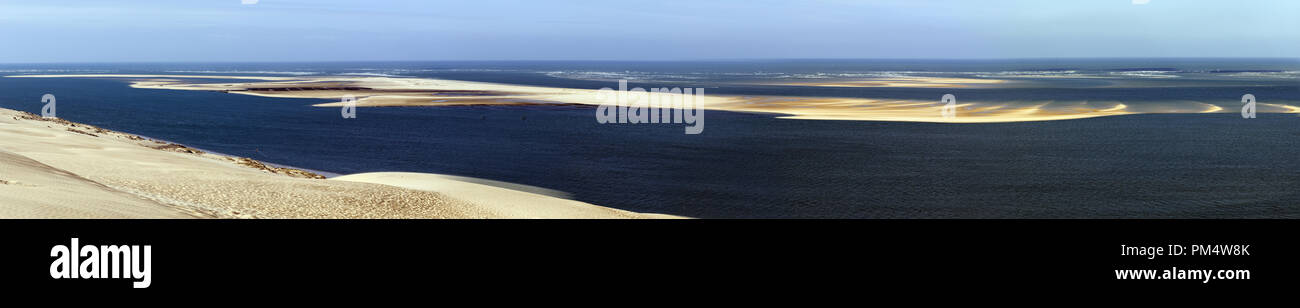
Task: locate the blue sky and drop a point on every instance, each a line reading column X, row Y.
column 300, row 30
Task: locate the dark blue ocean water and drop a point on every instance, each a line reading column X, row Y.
column 754, row 165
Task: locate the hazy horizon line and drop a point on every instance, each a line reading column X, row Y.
column 1297, row 58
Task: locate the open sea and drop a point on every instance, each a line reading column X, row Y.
column 745, row 165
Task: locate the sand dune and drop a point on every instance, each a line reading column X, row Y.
column 30, row 189
column 900, row 82
column 390, row 91
column 495, row 199
column 51, row 168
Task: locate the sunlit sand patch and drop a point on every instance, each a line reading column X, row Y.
column 1211, row 108
column 988, row 109
column 390, row 91
column 898, row 82
column 967, row 112
column 154, row 76
column 896, row 103
column 1278, row 108
column 1116, row 108
column 1183, row 106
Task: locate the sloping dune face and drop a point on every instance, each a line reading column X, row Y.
column 51, row 168
column 31, row 189
column 495, row 198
